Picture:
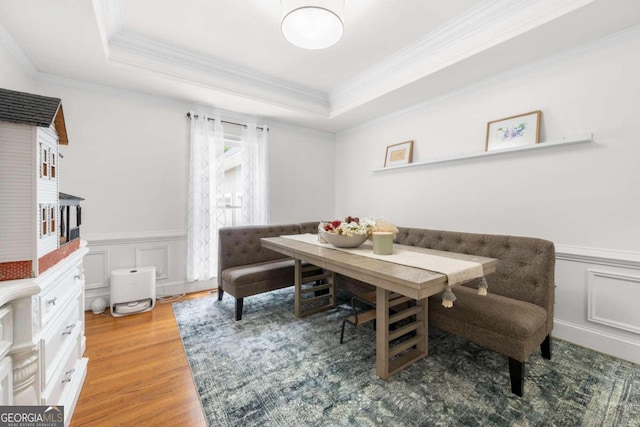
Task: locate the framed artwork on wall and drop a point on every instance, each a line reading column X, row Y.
column 514, row 131
column 399, row 154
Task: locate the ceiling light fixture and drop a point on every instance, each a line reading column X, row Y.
column 312, row 24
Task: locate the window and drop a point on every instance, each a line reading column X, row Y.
column 232, row 181
column 53, row 165
column 52, row 214
column 43, row 221
column 44, row 161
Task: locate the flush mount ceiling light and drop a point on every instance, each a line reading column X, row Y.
column 312, row 24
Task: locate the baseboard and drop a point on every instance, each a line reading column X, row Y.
column 177, row 288
column 597, row 340
column 162, row 290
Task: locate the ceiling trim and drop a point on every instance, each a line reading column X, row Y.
column 480, row 28
column 605, row 42
column 129, row 48
column 126, row 47
column 145, row 97
column 110, row 19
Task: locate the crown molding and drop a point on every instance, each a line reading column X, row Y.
column 162, row 100
column 126, row 47
column 16, row 52
column 482, row 27
column 606, row 42
column 133, row 49
column 110, row 20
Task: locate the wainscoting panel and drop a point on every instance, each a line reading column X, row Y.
column 613, row 300
column 164, row 250
column 597, row 294
column 154, row 255
column 96, row 269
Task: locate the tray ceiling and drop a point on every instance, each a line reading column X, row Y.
column 230, row 54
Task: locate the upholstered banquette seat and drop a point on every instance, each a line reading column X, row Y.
column 245, row 268
column 516, row 316
column 513, row 319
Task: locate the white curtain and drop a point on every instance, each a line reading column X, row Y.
column 206, row 198
column 255, row 175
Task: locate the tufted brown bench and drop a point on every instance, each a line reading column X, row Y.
column 517, row 314
column 245, row 268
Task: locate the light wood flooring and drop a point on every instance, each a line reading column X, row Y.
column 138, row 373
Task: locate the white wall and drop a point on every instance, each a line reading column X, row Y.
column 579, row 195
column 301, row 174
column 12, row 76
column 584, row 197
column 128, row 156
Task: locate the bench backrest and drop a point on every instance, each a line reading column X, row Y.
column 526, row 265
column 240, row 245
column 309, row 227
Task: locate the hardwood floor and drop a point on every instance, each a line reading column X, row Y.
column 138, row 374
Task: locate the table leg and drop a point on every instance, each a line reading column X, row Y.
column 319, row 282
column 382, row 333
column 297, row 280
column 407, row 342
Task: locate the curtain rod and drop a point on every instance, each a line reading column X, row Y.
column 224, row 121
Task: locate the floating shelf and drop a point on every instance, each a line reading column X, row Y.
column 576, row 139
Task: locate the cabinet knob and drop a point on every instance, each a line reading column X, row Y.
column 52, row 301
column 68, row 329
column 68, row 376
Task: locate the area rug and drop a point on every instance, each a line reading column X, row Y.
column 273, row 369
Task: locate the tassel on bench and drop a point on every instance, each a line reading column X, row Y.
column 482, row 286
column 448, row 297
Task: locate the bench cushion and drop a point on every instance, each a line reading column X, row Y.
column 511, row 327
column 277, row 274
column 506, row 316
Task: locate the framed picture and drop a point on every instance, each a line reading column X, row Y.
column 514, row 131
column 399, row 154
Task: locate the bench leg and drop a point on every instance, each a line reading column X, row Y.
column 220, row 293
column 239, row 302
column 545, row 347
column 516, row 372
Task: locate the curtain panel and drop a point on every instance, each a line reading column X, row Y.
column 205, row 213
column 255, row 175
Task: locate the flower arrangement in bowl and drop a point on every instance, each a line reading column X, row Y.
column 353, row 231
column 350, row 233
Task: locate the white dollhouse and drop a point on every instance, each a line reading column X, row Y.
column 42, row 337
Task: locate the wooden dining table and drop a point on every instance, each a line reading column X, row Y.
column 402, row 294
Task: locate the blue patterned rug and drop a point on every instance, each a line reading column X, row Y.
column 272, row 369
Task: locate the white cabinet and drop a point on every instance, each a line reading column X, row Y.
column 47, row 339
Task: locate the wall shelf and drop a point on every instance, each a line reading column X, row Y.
column 576, row 139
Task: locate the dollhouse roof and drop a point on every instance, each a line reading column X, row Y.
column 31, row 109
column 68, row 200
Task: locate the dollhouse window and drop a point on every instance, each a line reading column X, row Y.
column 43, row 221
column 52, row 214
column 53, row 165
column 44, row 161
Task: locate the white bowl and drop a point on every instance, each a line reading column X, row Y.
column 342, row 241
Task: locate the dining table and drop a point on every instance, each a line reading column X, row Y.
column 402, row 291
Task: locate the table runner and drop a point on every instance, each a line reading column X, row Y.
column 457, row 271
